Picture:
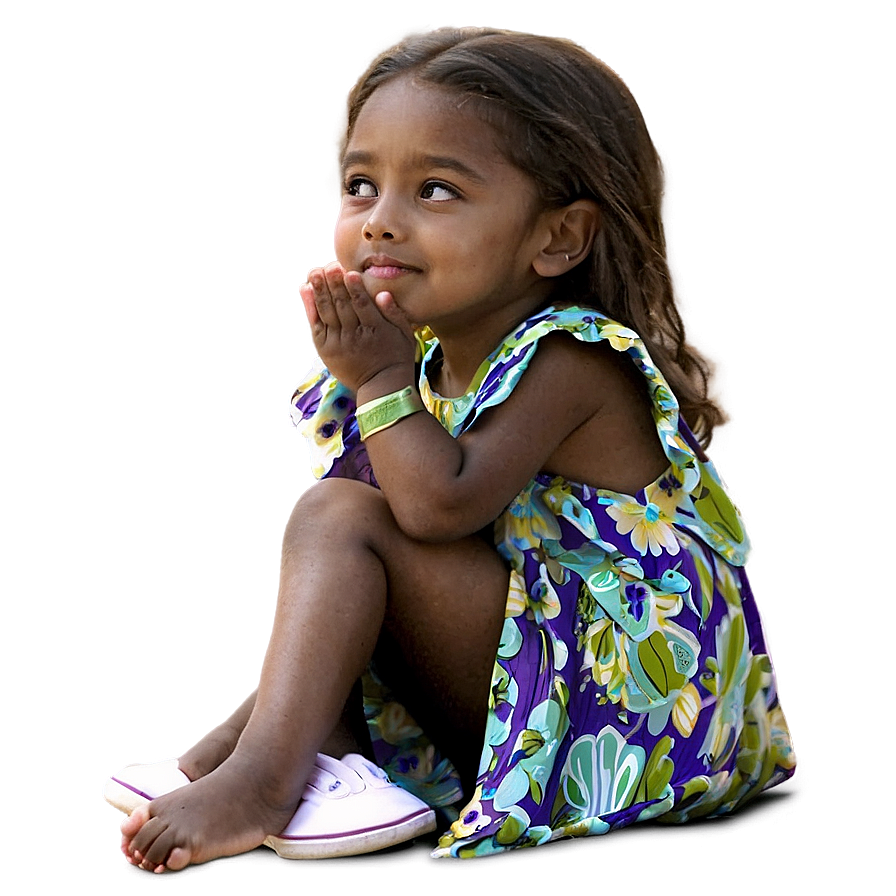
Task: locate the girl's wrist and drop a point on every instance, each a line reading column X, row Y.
column 381, row 413
column 388, row 380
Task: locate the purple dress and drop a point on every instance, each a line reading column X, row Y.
column 632, row 680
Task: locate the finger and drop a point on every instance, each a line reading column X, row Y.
column 323, row 301
column 342, row 301
column 306, row 291
column 365, row 308
column 385, row 302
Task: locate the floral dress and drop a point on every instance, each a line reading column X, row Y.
column 632, row 680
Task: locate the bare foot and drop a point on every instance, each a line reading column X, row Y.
column 226, row 812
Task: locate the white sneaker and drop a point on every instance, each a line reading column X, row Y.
column 138, row 784
column 349, row 807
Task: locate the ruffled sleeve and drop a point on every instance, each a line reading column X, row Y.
column 323, row 410
column 690, row 492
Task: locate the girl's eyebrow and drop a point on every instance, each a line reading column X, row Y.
column 360, row 157
column 451, row 164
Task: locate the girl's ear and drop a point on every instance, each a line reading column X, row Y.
column 572, row 231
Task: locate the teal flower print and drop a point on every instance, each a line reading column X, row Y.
column 533, row 756
column 599, row 777
column 727, row 680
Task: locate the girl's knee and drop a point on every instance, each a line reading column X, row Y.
column 337, row 506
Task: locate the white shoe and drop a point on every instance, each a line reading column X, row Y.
column 348, row 807
column 138, row 784
column 351, row 807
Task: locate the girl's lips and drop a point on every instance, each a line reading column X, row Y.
column 385, row 267
column 386, row 271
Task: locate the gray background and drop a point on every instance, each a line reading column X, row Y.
column 167, row 177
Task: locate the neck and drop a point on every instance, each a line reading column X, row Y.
column 466, row 345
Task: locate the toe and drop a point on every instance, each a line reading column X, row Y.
column 144, row 840
column 134, row 822
column 165, row 855
column 178, row 859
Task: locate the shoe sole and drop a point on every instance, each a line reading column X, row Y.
column 353, row 843
column 124, row 798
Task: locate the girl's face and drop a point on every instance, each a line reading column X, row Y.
column 434, row 213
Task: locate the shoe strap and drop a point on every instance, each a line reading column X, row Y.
column 347, row 776
column 372, row 774
column 327, row 784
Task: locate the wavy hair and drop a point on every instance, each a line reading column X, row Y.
column 570, row 123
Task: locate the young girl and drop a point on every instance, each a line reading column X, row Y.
column 518, row 549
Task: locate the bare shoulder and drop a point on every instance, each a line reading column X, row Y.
column 593, row 376
column 615, row 445
column 562, row 362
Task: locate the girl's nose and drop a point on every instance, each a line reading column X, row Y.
column 373, row 230
column 383, row 221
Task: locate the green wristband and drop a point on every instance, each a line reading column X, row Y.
column 381, row 413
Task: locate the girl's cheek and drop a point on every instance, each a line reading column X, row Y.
column 342, row 244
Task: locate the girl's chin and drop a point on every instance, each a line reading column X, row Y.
column 402, row 307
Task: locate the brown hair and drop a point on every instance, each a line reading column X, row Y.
column 570, row 123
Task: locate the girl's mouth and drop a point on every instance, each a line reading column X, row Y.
column 386, row 271
column 382, row 267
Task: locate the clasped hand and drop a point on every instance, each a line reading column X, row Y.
column 357, row 336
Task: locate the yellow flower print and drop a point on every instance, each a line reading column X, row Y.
column 668, row 493
column 780, row 739
column 517, row 596
column 471, row 818
column 682, row 706
column 423, row 336
column 686, row 709
column 396, row 724
column 620, row 337
column 527, row 521
column 543, row 600
column 539, row 604
column 323, row 425
column 647, row 525
column 605, row 654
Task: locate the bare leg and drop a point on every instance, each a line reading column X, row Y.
column 349, row 736
column 206, row 755
column 347, row 570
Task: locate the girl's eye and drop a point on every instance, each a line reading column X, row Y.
column 437, row 192
column 359, row 186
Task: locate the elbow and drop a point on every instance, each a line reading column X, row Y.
column 438, row 523
column 428, row 528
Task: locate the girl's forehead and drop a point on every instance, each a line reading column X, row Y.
column 405, row 113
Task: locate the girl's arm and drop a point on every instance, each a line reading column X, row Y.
column 440, row 488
